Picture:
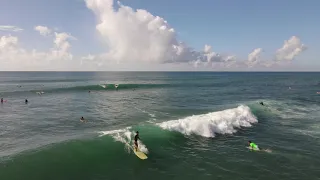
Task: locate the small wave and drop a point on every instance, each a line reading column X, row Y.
column 207, row 125
column 125, row 136
column 292, row 110
column 152, row 115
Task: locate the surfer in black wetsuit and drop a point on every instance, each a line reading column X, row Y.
column 1, row 100
column 136, row 137
column 82, row 119
column 261, row 103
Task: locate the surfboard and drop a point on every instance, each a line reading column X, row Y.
column 138, row 153
column 257, row 149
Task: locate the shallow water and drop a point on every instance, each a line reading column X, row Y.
column 192, row 125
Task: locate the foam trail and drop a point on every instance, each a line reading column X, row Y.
column 150, row 114
column 102, row 85
column 207, row 125
column 125, row 136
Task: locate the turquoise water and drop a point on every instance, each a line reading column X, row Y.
column 192, row 125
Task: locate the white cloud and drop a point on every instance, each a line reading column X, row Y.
column 253, row 57
column 290, row 49
column 14, row 57
column 43, row 30
column 212, row 59
column 10, row 28
column 137, row 36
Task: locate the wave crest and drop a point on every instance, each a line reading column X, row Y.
column 207, row 125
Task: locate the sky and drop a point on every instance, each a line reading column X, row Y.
column 153, row 35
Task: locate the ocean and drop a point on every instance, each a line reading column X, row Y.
column 193, row 125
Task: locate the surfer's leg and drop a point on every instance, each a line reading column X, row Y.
column 136, row 145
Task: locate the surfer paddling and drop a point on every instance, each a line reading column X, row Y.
column 253, row 145
column 136, row 137
column 82, row 119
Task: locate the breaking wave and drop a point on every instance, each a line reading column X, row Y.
column 207, row 125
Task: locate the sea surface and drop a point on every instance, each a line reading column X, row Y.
column 193, row 125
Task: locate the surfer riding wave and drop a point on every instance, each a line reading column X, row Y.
column 136, row 137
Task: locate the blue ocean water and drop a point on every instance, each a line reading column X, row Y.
column 191, row 124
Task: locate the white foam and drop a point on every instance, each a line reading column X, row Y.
column 103, row 133
column 207, row 125
column 102, row 85
column 125, row 136
column 150, row 114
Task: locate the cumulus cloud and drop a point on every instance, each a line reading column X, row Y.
column 140, row 37
column 10, row 28
column 43, row 30
column 14, row 57
column 253, row 57
column 290, row 49
column 209, row 58
column 136, row 36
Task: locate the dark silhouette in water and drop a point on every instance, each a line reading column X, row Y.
column 26, row 101
column 261, row 103
column 1, row 100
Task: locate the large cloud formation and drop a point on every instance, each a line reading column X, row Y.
column 139, row 36
column 136, row 36
column 133, row 37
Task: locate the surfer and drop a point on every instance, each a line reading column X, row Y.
column 26, row 101
column 253, row 146
column 261, row 103
column 136, row 137
column 82, row 119
column 1, row 100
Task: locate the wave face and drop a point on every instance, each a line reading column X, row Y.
column 207, row 125
column 125, row 136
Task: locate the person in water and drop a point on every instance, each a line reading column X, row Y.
column 261, row 103
column 26, row 101
column 136, row 137
column 82, row 119
column 253, row 145
column 1, row 100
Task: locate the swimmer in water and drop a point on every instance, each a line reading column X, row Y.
column 1, row 100
column 26, row 101
column 82, row 119
column 253, row 145
column 261, row 103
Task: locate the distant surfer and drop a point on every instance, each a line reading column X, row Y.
column 253, row 145
column 136, row 137
column 261, row 103
column 1, row 100
column 26, row 101
column 82, row 119
column 116, row 86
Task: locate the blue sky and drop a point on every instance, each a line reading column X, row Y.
column 230, row 27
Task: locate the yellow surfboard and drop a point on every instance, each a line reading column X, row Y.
column 140, row 154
